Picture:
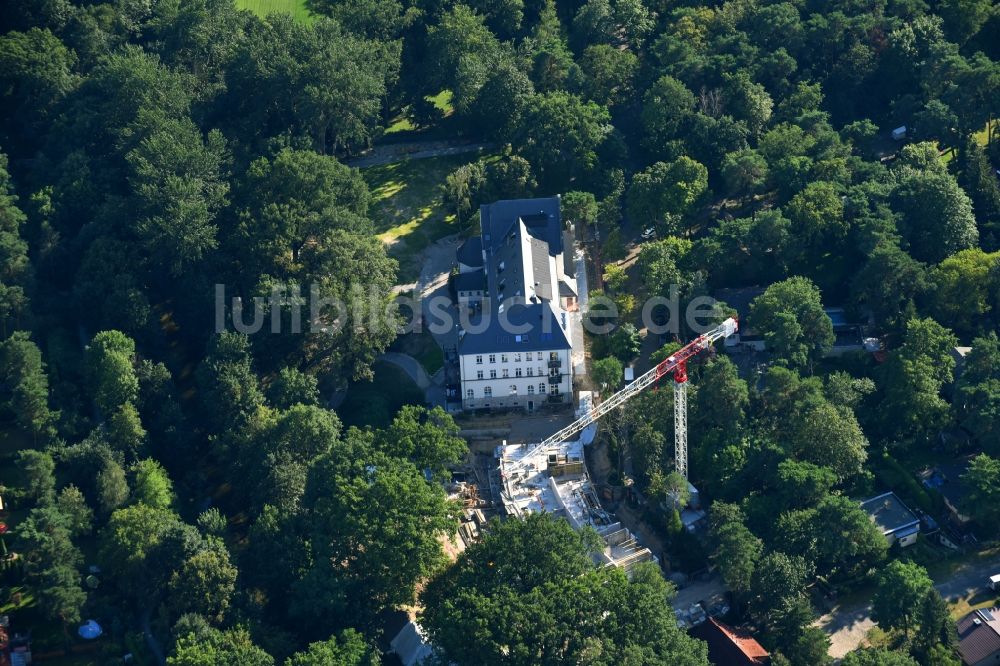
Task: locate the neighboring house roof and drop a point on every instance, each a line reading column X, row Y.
column 739, row 298
column 979, row 635
column 410, row 645
column 470, row 252
column 473, row 281
column 838, row 317
column 959, row 354
column 890, row 515
column 946, row 478
column 544, row 331
column 730, row 647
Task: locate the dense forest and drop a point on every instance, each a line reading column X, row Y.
column 154, row 149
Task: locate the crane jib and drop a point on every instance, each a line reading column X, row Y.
column 676, row 363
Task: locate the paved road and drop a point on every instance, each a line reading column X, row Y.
column 847, row 627
column 399, row 152
column 410, row 366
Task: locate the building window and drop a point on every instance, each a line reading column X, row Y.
column 517, row 372
column 505, row 373
column 503, row 358
column 527, row 356
column 541, row 388
column 553, row 372
column 531, row 371
column 488, row 392
column 554, row 389
column 531, row 389
column 493, row 358
column 493, row 374
column 470, row 394
column 513, row 389
column 540, row 372
column 479, row 360
column 553, row 356
column 517, row 357
column 479, row 374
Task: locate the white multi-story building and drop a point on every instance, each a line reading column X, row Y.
column 515, row 278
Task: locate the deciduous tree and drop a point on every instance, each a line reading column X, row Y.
column 560, row 134
column 110, row 359
column 349, row 648
column 790, row 316
column 528, row 593
column 665, row 192
column 902, row 586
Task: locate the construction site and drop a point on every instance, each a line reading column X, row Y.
column 551, row 476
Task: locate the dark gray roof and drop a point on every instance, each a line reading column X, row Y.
column 946, row 478
column 472, row 281
column 470, row 252
column 889, row 513
column 541, row 216
column 540, row 268
column 542, row 331
column 738, row 298
column 978, row 640
column 565, row 289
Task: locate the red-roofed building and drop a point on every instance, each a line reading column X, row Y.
column 730, row 647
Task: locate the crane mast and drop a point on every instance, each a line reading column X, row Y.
column 675, row 365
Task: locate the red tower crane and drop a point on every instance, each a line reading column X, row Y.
column 675, row 365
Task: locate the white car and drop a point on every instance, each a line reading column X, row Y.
column 648, row 233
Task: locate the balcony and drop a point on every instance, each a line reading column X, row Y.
column 555, row 363
column 555, row 379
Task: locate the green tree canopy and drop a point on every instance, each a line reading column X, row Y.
column 559, row 134
column 110, row 359
column 665, row 192
column 902, row 587
column 790, row 316
column 24, row 394
column 912, row 379
column 877, row 657
column 358, row 495
column 528, row 593
column 983, row 478
column 212, row 647
column 936, row 215
column 349, row 648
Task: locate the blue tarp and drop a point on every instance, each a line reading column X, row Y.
column 90, row 630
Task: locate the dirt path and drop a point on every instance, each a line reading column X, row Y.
column 397, row 152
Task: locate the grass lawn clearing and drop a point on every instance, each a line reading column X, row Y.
column 403, row 124
column 297, row 8
column 375, row 403
column 407, row 208
column 982, row 137
column 978, row 600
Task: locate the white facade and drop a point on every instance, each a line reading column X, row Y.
column 526, row 287
column 524, row 380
